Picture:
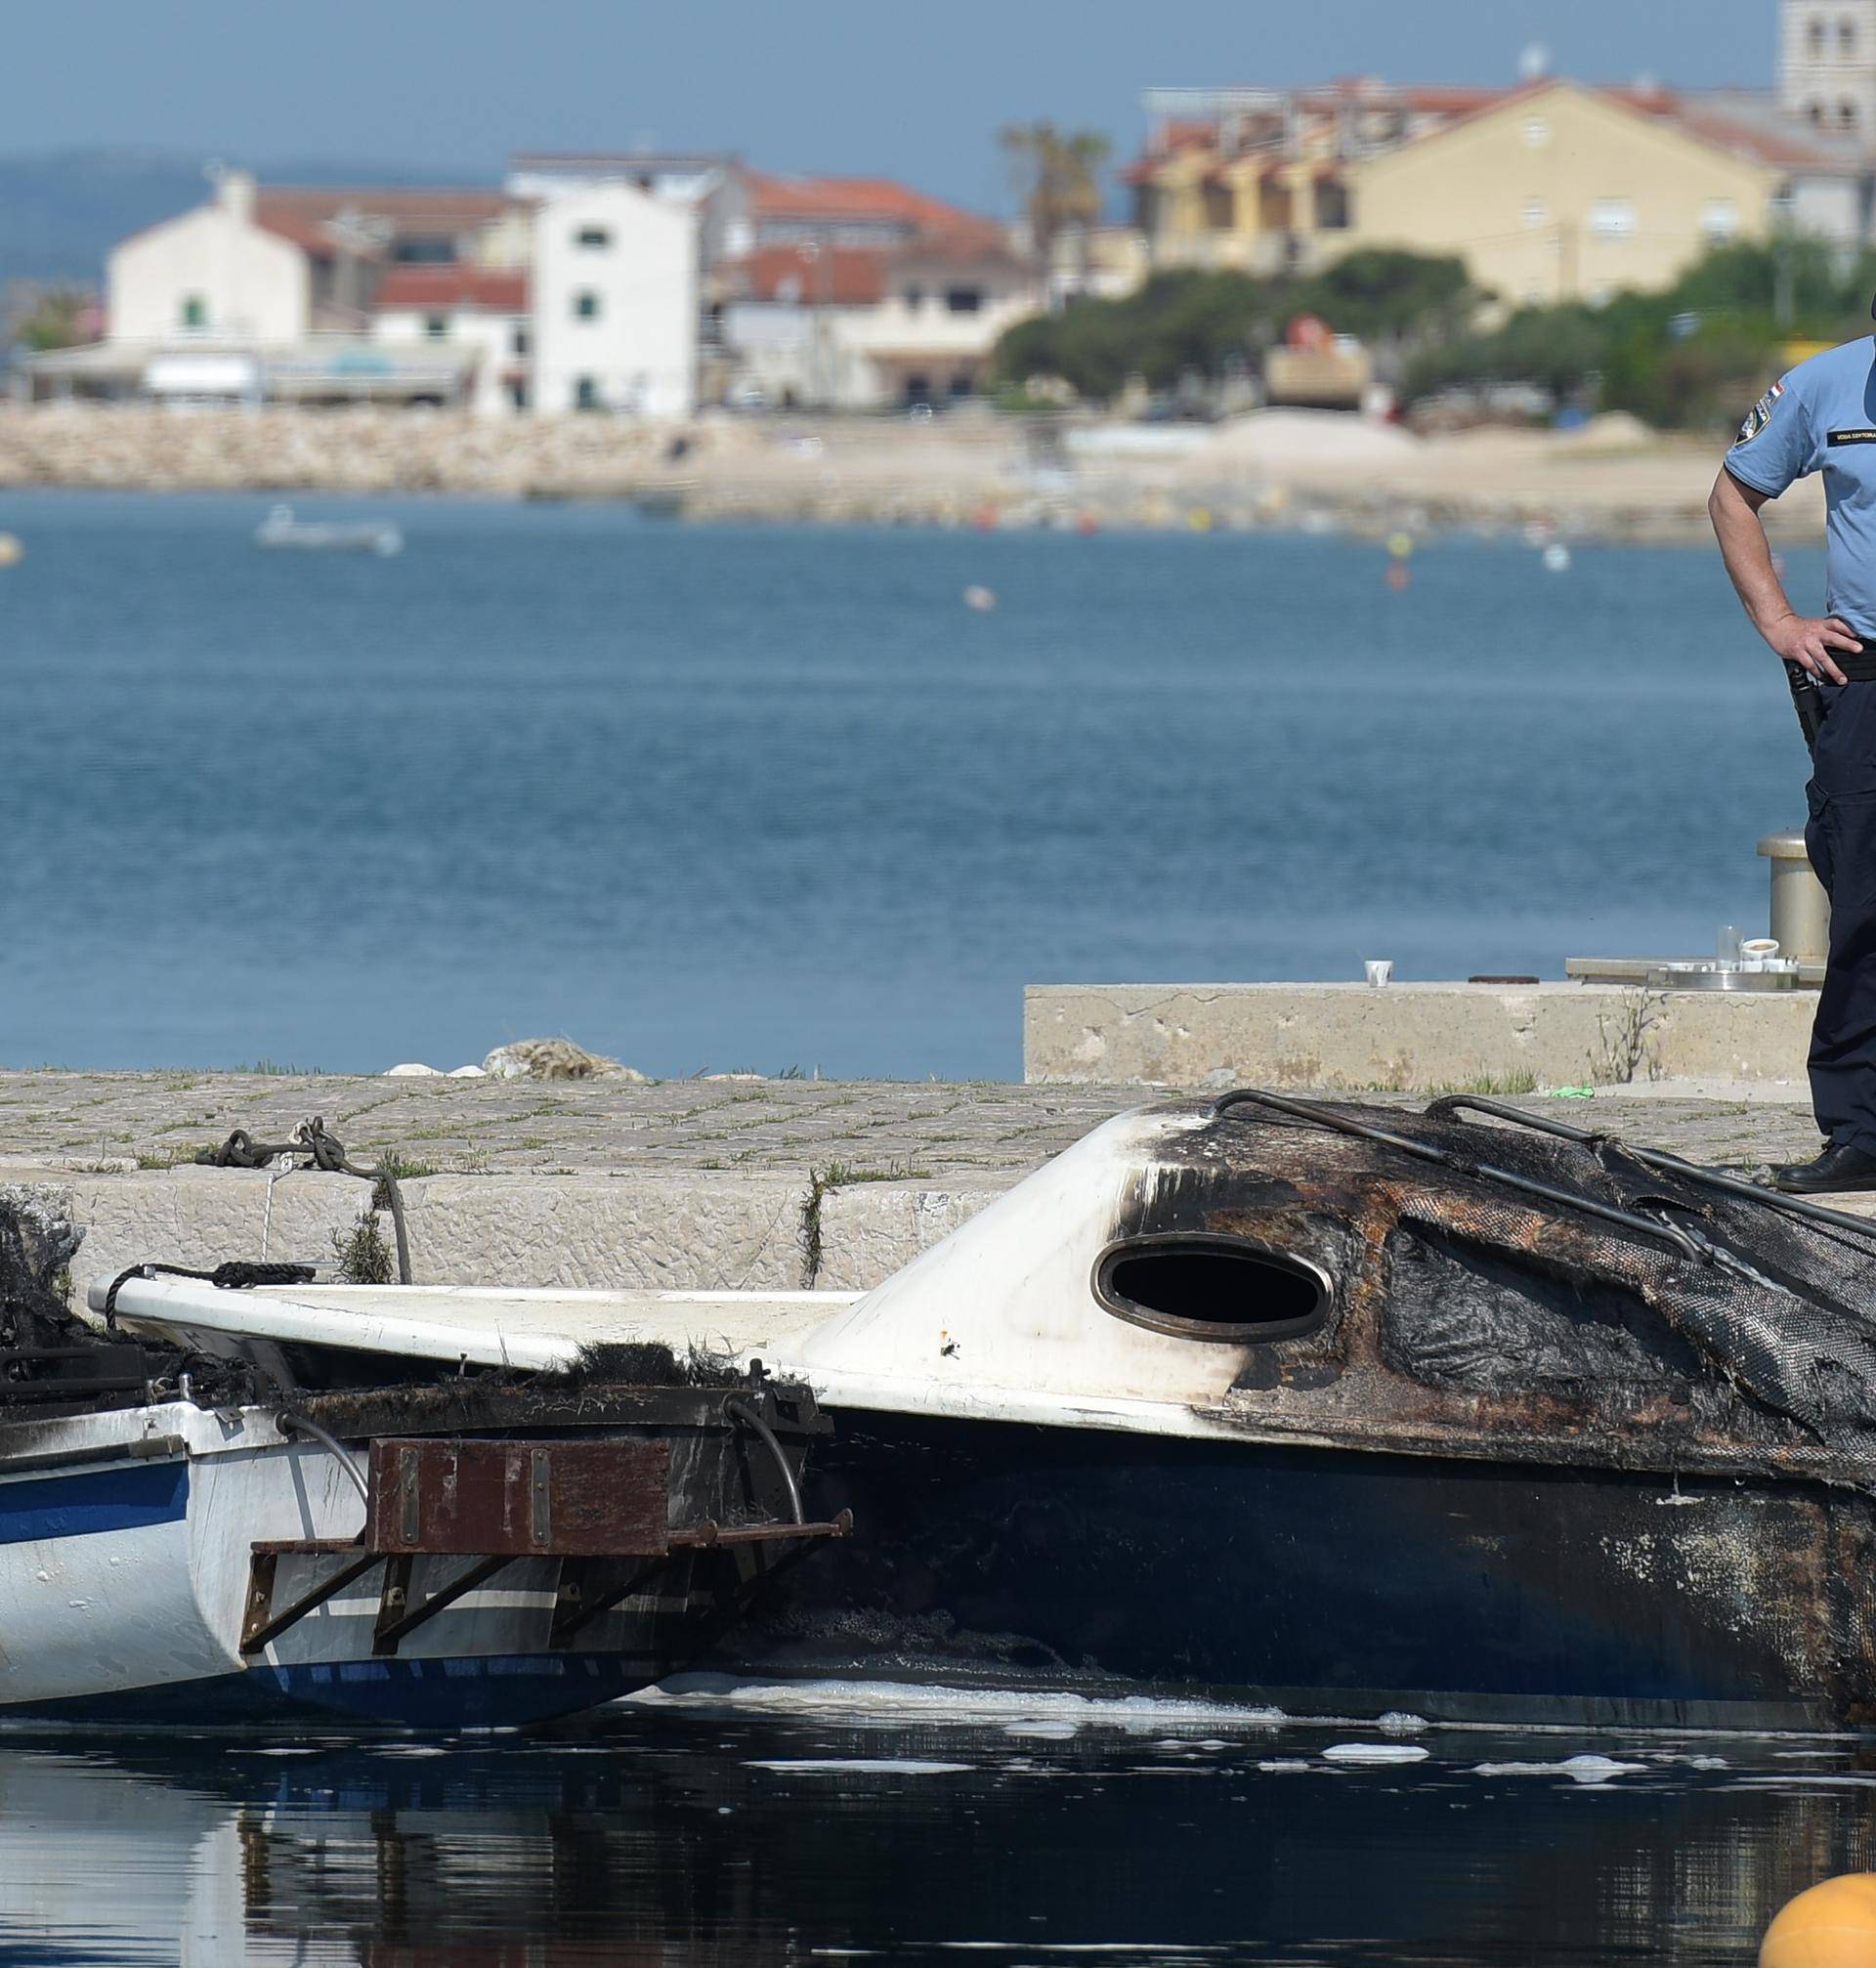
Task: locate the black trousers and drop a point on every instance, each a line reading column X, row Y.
column 1840, row 837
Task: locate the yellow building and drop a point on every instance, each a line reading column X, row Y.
column 1550, row 191
column 1560, row 194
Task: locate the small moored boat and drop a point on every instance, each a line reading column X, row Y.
column 281, row 528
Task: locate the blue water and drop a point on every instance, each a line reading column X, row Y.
column 758, row 796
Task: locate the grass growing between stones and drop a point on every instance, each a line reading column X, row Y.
column 822, row 1183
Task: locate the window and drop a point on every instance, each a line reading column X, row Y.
column 586, row 305
column 194, row 312
column 518, row 342
column 1537, row 215
column 963, row 300
column 1816, row 40
column 436, row 326
column 585, row 394
column 1720, row 221
column 1537, row 133
column 518, row 394
column 1815, row 111
column 1847, row 115
column 1613, row 219
column 593, row 235
column 1331, row 206
column 915, row 295
column 424, row 250
column 1195, row 1286
column 961, row 385
column 1847, row 39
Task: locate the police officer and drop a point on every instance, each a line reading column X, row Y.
column 1822, row 418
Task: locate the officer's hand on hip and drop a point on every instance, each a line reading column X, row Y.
column 1811, row 640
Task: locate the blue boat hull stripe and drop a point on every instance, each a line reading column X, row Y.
column 81, row 1506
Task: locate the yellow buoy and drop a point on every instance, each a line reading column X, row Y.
column 1198, row 519
column 11, row 551
column 1400, row 544
column 1832, row 1925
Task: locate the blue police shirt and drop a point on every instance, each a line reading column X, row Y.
column 1822, row 417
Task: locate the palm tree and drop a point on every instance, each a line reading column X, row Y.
column 1059, row 174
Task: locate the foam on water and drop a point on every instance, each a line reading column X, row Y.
column 1578, row 1769
column 1374, row 1752
column 856, row 1766
column 891, row 1703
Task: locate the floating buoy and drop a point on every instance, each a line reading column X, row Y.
column 984, row 519
column 1556, row 557
column 1832, row 1925
column 982, row 599
column 1198, row 519
column 12, row 549
column 1399, row 576
column 1400, row 544
column 1086, row 523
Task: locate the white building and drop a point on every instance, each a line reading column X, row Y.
column 614, row 303
column 213, row 271
column 479, row 313
column 1827, row 66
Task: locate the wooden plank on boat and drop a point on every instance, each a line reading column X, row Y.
column 582, row 1499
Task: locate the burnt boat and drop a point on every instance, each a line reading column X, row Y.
column 220, row 1537
column 1339, row 1409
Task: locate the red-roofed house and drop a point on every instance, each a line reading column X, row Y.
column 485, row 309
column 859, row 293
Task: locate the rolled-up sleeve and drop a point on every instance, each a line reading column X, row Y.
column 1775, row 446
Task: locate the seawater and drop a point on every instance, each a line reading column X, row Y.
column 853, row 1825
column 726, row 797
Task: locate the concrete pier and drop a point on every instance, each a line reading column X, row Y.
column 606, row 1184
column 1404, row 1037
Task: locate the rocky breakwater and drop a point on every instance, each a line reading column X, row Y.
column 717, row 466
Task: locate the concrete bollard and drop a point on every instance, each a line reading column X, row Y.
column 1800, row 908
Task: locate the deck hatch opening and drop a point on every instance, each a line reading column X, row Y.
column 1197, row 1286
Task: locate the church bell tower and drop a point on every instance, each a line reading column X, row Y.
column 1828, row 66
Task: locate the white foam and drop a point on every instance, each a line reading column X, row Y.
column 889, row 1702
column 1058, row 1731
column 1578, row 1769
column 1374, row 1752
column 1400, row 1722
column 861, row 1766
column 1810, row 1777
column 1285, row 1766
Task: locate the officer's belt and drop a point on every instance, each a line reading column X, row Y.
column 1855, row 668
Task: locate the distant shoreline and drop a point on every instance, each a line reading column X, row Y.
column 1285, row 471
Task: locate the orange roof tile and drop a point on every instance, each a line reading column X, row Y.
column 843, row 276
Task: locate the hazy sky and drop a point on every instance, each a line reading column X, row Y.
column 912, row 90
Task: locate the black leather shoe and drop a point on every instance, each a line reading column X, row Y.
column 1835, row 1171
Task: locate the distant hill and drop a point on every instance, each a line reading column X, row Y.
column 60, row 212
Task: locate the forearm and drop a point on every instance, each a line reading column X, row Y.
column 1747, row 553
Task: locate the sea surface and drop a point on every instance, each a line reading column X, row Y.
column 844, row 1824
column 728, row 798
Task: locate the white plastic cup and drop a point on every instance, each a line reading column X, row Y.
column 1379, row 969
column 1756, row 952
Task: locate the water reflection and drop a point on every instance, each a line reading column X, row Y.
column 714, row 1834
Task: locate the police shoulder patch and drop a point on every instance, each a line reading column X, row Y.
column 1759, row 415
